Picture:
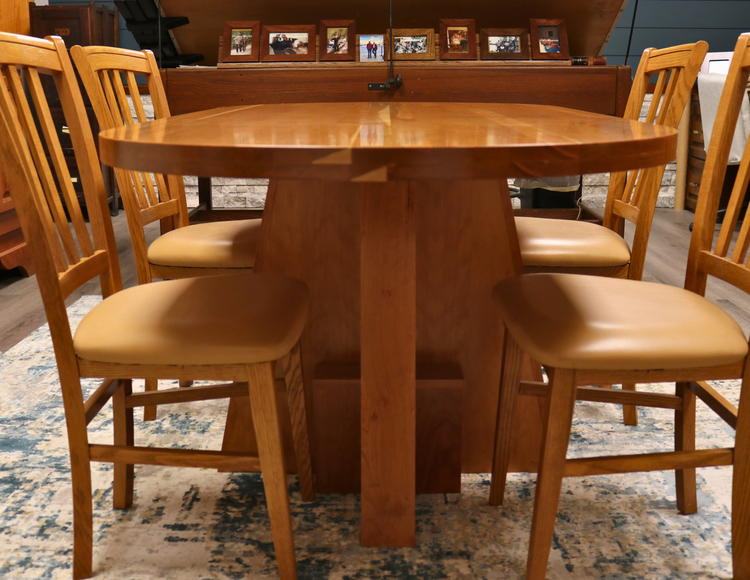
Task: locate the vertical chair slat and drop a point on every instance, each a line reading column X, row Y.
column 674, row 78
column 162, row 189
column 627, row 193
column 10, row 112
column 733, row 213
column 35, row 147
column 109, row 94
column 148, row 185
column 656, row 98
column 122, row 100
column 132, row 183
column 162, row 192
column 135, row 96
column 58, row 160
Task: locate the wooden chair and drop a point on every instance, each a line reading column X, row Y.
column 219, row 328
column 590, row 330
column 575, row 247
column 183, row 250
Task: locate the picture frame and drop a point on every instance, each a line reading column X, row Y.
column 292, row 43
column 365, row 54
column 544, row 45
column 458, row 39
column 504, row 44
column 411, row 44
column 338, row 40
column 241, row 41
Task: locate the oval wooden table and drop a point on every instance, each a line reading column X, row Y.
column 398, row 217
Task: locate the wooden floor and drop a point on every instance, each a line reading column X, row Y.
column 21, row 310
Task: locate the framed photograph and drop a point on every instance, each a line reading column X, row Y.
column 337, row 40
column 458, row 39
column 549, row 40
column 241, row 41
column 371, row 47
column 504, row 44
column 285, row 43
column 412, row 44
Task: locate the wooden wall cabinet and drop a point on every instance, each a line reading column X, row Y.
column 14, row 252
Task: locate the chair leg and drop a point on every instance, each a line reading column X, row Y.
column 80, row 474
column 629, row 412
column 149, row 411
column 271, row 453
column 741, row 489
column 295, row 391
column 551, row 469
column 684, row 440
column 83, row 520
column 506, row 411
column 122, row 418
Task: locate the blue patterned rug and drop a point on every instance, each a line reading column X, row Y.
column 190, row 523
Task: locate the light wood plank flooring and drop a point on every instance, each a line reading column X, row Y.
column 21, row 309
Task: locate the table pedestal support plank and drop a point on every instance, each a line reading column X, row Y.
column 388, row 326
column 463, row 243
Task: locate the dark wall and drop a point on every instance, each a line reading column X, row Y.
column 659, row 23
column 662, row 23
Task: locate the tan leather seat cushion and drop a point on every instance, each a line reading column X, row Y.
column 237, row 318
column 569, row 243
column 588, row 322
column 230, row 244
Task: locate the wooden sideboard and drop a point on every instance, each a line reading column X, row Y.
column 599, row 89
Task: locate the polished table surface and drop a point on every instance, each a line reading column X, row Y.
column 398, row 218
column 405, row 140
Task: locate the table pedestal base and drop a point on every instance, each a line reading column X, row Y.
column 402, row 273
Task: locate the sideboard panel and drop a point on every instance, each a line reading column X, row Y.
column 599, row 89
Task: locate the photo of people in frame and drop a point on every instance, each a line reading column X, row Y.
column 242, row 42
column 549, row 39
column 337, row 41
column 410, row 45
column 458, row 38
column 371, row 48
column 288, row 43
column 504, row 44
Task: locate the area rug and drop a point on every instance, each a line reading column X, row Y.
column 194, row 524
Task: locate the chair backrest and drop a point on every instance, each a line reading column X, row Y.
column 65, row 254
column 724, row 259
column 146, row 197
column 632, row 195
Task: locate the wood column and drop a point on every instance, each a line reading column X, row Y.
column 389, row 340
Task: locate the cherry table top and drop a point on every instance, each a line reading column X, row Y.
column 383, row 142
